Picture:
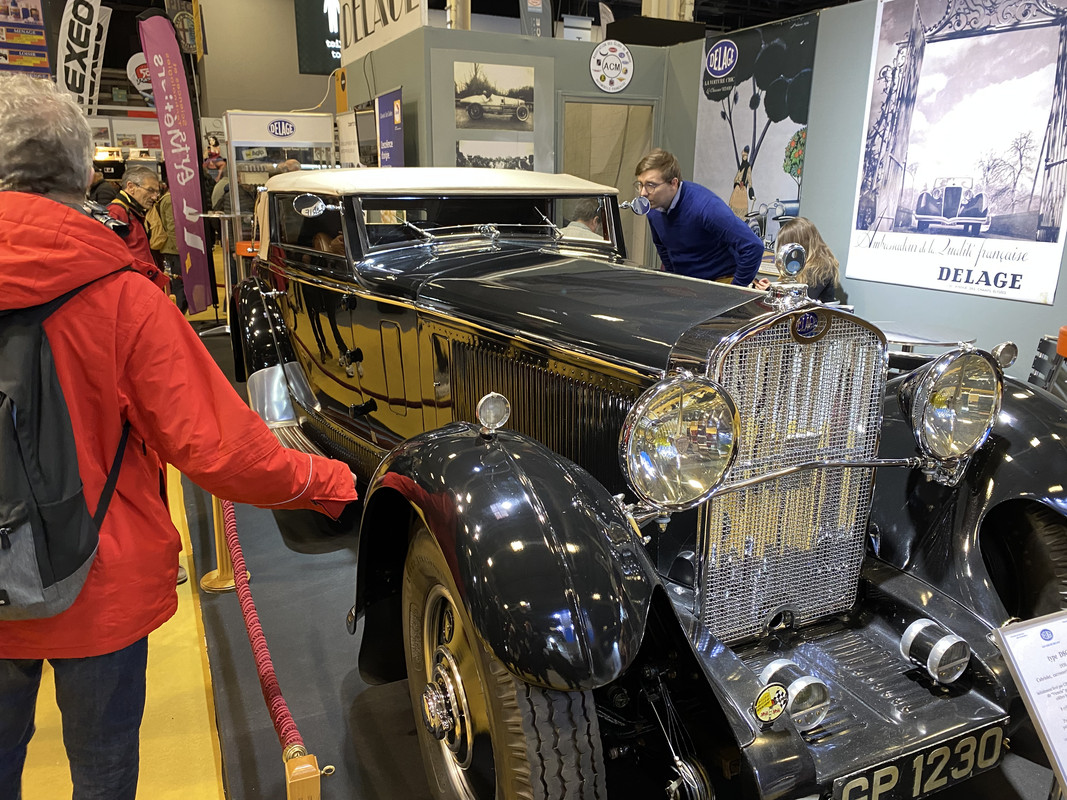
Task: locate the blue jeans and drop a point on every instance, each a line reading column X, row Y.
column 101, row 700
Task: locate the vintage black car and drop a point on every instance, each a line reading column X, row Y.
column 628, row 533
column 952, row 201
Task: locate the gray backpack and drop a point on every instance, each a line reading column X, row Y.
column 48, row 538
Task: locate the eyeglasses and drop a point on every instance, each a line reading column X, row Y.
column 154, row 192
column 650, row 186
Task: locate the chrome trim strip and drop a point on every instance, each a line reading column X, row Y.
column 911, row 463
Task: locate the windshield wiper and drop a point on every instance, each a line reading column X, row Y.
column 557, row 234
column 424, row 234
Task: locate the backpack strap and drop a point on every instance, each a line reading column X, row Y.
column 112, row 478
column 41, row 313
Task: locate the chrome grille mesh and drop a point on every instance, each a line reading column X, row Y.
column 569, row 414
column 793, row 542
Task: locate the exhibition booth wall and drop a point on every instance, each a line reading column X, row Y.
column 665, row 87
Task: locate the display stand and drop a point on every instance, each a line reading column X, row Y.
column 1036, row 654
column 225, row 221
column 263, row 142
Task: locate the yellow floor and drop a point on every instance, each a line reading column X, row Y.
column 180, row 756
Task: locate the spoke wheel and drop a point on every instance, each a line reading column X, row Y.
column 484, row 734
column 474, row 111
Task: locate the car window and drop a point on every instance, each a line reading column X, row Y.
column 390, row 221
column 322, row 234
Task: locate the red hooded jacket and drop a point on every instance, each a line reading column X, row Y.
column 124, row 351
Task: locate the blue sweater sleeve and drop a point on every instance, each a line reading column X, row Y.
column 660, row 248
column 748, row 251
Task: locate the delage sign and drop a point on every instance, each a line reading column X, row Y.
column 366, row 25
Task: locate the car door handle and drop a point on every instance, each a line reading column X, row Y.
column 363, row 408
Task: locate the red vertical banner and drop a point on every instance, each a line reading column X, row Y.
column 178, row 130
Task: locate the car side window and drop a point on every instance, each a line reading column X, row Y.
column 304, row 236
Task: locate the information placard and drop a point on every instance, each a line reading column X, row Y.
column 1036, row 654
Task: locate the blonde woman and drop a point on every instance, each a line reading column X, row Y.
column 821, row 268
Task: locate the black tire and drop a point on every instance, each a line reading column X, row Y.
column 514, row 741
column 921, row 226
column 474, row 111
column 522, row 113
column 1026, row 555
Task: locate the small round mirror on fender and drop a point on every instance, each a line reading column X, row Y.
column 639, row 205
column 308, row 205
column 790, row 259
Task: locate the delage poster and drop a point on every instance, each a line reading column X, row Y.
column 964, row 168
column 752, row 119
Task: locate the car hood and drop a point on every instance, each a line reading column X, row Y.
column 618, row 312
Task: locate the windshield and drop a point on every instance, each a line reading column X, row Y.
column 392, row 221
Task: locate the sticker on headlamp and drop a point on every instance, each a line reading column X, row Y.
column 770, row 702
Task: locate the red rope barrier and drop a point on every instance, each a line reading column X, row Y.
column 284, row 725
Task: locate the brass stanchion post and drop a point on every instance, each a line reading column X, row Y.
column 221, row 579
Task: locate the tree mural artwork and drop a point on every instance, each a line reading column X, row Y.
column 761, row 76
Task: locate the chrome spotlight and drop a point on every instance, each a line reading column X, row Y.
column 942, row 654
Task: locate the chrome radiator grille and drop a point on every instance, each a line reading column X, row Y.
column 793, row 543
column 572, row 415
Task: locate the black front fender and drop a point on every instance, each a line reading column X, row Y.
column 550, row 568
column 934, row 531
column 260, row 327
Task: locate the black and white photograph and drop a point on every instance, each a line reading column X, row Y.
column 959, row 170
column 495, row 155
column 494, row 96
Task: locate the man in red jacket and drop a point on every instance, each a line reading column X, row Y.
column 123, row 352
column 140, row 191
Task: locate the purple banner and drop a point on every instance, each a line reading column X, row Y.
column 390, row 129
column 178, row 132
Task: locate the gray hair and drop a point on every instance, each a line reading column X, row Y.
column 586, row 208
column 45, row 141
column 137, row 175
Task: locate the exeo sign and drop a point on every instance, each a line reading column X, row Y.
column 77, row 32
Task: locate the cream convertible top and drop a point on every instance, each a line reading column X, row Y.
column 425, row 181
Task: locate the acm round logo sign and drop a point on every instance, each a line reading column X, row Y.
column 611, row 66
column 721, row 58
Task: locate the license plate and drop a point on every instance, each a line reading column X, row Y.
column 927, row 771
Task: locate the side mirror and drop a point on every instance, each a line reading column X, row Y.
column 308, row 205
column 790, row 259
column 639, row 205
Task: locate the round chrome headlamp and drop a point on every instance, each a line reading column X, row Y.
column 953, row 403
column 678, row 441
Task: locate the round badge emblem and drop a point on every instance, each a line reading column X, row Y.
column 611, row 66
column 770, row 703
column 807, row 325
column 721, row 58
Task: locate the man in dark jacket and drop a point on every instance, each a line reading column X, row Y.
column 101, row 190
column 123, row 353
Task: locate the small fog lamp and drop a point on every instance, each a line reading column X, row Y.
column 809, row 697
column 493, row 411
column 943, row 655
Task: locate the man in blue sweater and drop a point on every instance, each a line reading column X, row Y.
column 694, row 231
